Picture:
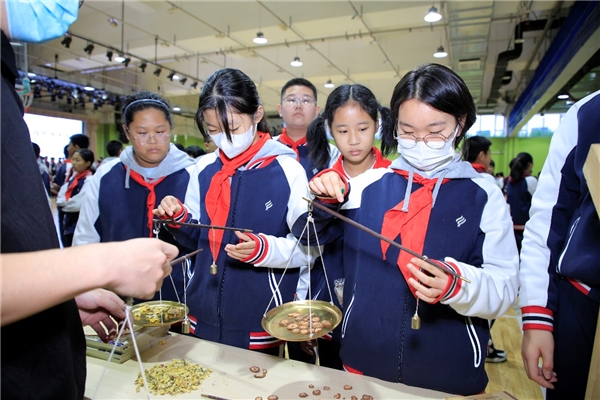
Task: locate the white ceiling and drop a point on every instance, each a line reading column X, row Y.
column 369, row 42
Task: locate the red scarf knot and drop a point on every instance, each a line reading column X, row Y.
column 411, row 226
column 285, row 139
column 151, row 199
column 218, row 196
column 75, row 182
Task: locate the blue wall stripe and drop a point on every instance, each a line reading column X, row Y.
column 582, row 22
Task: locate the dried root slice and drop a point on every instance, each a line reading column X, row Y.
column 366, row 397
column 337, row 396
column 260, row 376
column 254, row 369
column 347, row 387
column 272, row 397
column 325, row 387
column 311, row 386
column 317, row 392
column 303, row 394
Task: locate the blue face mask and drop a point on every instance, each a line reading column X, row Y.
column 39, row 20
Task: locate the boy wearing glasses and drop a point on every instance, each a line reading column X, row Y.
column 298, row 109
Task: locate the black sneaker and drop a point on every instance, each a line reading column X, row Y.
column 495, row 356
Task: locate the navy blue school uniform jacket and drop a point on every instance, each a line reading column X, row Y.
column 561, row 238
column 469, row 229
column 118, row 207
column 266, row 196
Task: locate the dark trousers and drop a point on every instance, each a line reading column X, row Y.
column 574, row 330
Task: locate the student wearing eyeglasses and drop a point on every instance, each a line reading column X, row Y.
column 120, row 197
column 434, row 204
column 298, row 109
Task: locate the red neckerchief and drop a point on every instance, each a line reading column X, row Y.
column 151, row 200
column 75, row 181
column 478, row 167
column 285, row 139
column 380, row 162
column 218, row 196
column 411, row 225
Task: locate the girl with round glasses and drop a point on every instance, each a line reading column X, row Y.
column 120, row 197
column 437, row 205
column 250, row 182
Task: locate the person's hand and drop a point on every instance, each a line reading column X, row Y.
column 96, row 308
column 429, row 286
column 136, row 267
column 329, row 184
column 168, row 207
column 538, row 344
column 241, row 250
column 308, row 346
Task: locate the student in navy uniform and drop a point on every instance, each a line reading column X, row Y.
column 120, row 197
column 298, row 109
column 559, row 275
column 520, row 187
column 437, row 205
column 70, row 197
column 353, row 117
column 250, row 182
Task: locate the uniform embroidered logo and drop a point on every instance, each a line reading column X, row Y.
column 460, row 220
column 268, row 205
column 315, row 171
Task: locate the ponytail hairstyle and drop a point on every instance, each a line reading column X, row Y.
column 142, row 101
column 473, row 146
column 88, row 156
column 316, row 136
column 229, row 90
column 519, row 165
column 441, row 88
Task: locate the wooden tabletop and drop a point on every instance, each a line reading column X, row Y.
column 232, row 379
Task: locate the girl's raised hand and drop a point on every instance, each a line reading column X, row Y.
column 168, row 207
column 329, row 184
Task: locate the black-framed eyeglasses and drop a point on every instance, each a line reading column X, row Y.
column 304, row 101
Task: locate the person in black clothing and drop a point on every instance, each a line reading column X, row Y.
column 39, row 283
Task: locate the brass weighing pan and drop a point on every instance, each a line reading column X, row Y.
column 158, row 313
column 325, row 317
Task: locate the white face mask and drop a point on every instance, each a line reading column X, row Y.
column 239, row 143
column 424, row 158
column 37, row 21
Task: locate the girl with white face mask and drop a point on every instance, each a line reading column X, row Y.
column 250, row 182
column 437, row 205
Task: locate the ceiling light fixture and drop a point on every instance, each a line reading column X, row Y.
column 563, row 96
column 109, row 55
column 433, row 15
column 120, row 58
column 113, row 22
column 440, row 53
column 194, row 85
column 89, row 48
column 143, row 66
column 183, row 81
column 296, row 62
column 157, row 71
column 329, row 84
column 89, row 88
column 126, row 62
column 67, row 40
column 260, row 38
column 176, row 109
